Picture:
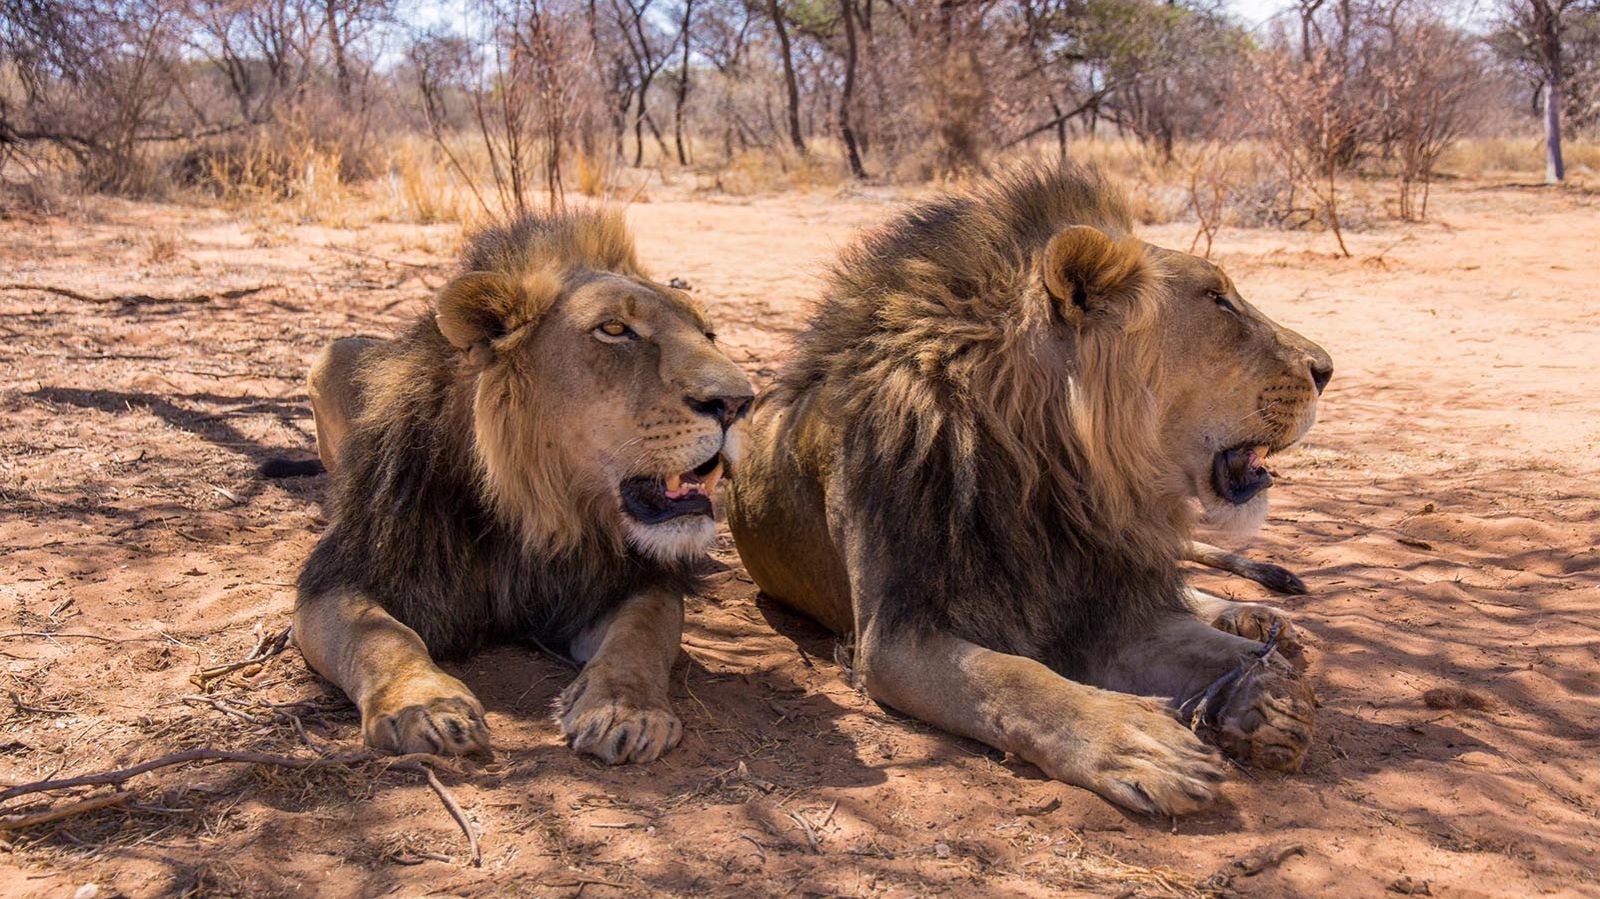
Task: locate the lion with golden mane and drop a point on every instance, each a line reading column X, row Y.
column 534, row 460
column 981, row 462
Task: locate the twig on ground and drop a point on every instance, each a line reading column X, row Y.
column 450, row 806
column 226, row 708
column 93, row 804
column 60, row 634
column 208, row 754
column 554, row 655
column 24, row 708
column 141, row 299
column 196, row 754
column 265, row 649
column 811, row 835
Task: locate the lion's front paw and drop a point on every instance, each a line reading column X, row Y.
column 1267, row 718
column 616, row 724
column 1255, row 621
column 440, row 716
column 1143, row 759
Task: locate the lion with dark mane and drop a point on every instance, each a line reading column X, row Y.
column 982, row 463
column 532, row 461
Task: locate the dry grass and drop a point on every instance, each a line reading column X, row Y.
column 289, row 175
column 1517, row 157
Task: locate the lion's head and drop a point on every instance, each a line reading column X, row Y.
column 1227, row 386
column 600, row 395
column 1015, row 347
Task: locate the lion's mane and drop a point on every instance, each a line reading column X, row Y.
column 1000, row 456
column 439, row 507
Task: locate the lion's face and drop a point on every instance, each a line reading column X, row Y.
column 1240, row 387
column 1222, row 385
column 615, row 398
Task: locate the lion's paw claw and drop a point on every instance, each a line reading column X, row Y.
column 444, row 725
column 1268, row 718
column 1256, row 621
column 1148, row 762
column 613, row 727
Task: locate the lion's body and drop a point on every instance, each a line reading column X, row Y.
column 467, row 508
column 409, row 523
column 981, row 462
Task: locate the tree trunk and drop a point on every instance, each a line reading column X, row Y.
column 792, row 86
column 1555, row 171
column 341, row 65
column 1547, row 25
column 848, row 134
column 683, row 87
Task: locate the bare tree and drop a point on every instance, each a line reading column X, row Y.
column 1309, row 120
column 1539, row 27
column 791, row 86
column 684, row 31
column 847, row 12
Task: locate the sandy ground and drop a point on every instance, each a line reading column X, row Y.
column 1445, row 512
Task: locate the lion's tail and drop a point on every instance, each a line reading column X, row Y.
column 291, row 468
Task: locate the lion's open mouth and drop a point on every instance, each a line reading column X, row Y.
column 652, row 500
column 1240, row 472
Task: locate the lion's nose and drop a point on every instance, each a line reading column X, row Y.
column 1321, row 370
column 726, row 409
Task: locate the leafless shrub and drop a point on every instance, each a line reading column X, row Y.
column 1426, row 76
column 1310, row 123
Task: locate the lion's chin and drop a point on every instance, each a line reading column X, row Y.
column 680, row 539
column 1237, row 520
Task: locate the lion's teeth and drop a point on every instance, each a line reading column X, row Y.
column 673, row 483
column 712, row 479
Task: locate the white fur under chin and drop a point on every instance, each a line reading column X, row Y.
column 674, row 540
column 1235, row 521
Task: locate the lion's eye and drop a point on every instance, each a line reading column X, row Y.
column 1223, row 302
column 614, row 330
column 711, row 336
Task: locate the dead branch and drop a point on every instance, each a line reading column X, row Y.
column 450, row 806
column 196, row 754
column 94, row 804
column 23, row 708
column 59, row 634
column 265, row 649
column 208, row 754
column 141, row 299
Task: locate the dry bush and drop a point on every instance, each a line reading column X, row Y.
column 1518, row 157
column 1312, row 124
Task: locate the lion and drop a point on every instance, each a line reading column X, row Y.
column 534, row 460
column 980, row 462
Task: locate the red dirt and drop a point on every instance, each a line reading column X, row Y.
column 1445, row 512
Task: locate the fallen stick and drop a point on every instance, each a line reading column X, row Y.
column 450, row 806
column 197, row 754
column 17, row 822
column 206, row 753
column 265, row 649
column 141, row 299
column 56, row 635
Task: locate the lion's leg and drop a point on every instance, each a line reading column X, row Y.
column 1128, row 749
column 1273, row 577
column 407, row 704
column 618, row 709
column 1254, row 620
column 336, row 392
column 1261, row 708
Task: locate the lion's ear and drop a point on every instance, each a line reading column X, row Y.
column 476, row 308
column 1085, row 269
